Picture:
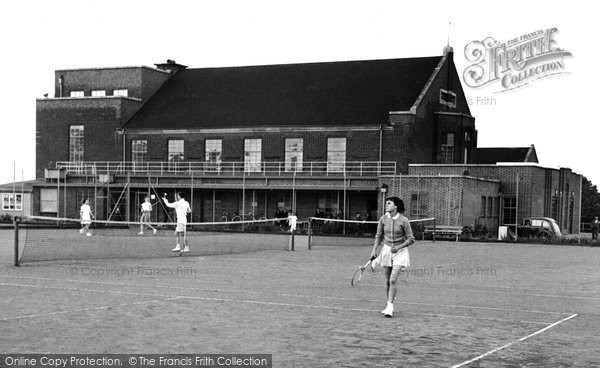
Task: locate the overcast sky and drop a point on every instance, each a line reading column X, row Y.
column 555, row 114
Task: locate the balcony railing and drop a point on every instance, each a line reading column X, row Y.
column 200, row 168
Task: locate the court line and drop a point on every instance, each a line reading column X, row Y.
column 85, row 309
column 514, row 342
column 287, row 295
column 253, row 302
column 501, row 292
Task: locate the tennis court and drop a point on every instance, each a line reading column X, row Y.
column 469, row 304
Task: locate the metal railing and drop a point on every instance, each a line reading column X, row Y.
column 199, row 168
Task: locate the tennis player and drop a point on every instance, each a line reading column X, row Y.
column 146, row 216
column 86, row 215
column 395, row 234
column 292, row 221
column 182, row 208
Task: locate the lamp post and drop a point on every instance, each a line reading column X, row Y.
column 383, row 190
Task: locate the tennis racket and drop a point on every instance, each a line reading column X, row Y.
column 358, row 274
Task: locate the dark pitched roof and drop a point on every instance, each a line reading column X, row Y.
column 505, row 154
column 332, row 93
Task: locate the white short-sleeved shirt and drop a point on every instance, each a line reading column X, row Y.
column 85, row 212
column 292, row 220
column 147, row 207
column 182, row 208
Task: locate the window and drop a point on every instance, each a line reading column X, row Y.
column 77, row 94
column 293, row 154
column 336, row 154
column 252, row 155
column 8, row 202
column 447, row 98
column 213, row 152
column 482, row 208
column 447, row 148
column 489, row 206
column 509, row 211
column 175, row 153
column 48, row 200
column 99, row 93
column 120, row 92
column 329, row 204
column 139, row 153
column 76, row 143
column 419, row 205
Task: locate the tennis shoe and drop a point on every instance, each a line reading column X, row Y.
column 89, row 234
column 154, row 231
column 81, row 231
column 176, row 249
column 141, row 233
column 389, row 310
column 185, row 249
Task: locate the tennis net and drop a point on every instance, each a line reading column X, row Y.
column 39, row 238
column 326, row 232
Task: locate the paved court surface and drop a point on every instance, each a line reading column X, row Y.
column 465, row 304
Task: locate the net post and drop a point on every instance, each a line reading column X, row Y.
column 309, row 232
column 434, row 227
column 291, row 247
column 16, row 226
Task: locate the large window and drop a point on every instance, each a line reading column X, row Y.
column 336, row 154
column 252, row 155
column 48, row 200
column 419, row 205
column 176, row 156
column 76, row 94
column 76, row 143
column 9, row 203
column 98, row 93
column 293, row 154
column 447, row 148
column 213, row 152
column 509, row 211
column 329, row 204
column 139, row 153
column 120, row 92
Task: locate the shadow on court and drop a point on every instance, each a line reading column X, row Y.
column 520, row 304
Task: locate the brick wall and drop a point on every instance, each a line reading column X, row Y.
column 538, row 188
column 452, row 200
column 360, row 145
column 140, row 82
column 100, row 118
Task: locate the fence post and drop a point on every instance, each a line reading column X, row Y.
column 291, row 248
column 16, row 225
column 309, row 232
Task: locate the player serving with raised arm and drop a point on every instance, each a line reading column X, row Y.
column 395, row 233
column 182, row 208
column 146, row 216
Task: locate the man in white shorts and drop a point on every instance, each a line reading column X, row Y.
column 146, row 216
column 85, row 213
column 182, row 208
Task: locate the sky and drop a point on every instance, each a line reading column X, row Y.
column 556, row 114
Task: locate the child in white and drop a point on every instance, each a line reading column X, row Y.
column 182, row 208
column 85, row 213
column 146, row 213
column 292, row 221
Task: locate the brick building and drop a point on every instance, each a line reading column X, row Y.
column 255, row 139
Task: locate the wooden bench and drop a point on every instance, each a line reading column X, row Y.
column 443, row 231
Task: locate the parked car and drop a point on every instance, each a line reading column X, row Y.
column 539, row 227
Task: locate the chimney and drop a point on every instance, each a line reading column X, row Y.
column 448, row 50
column 171, row 66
